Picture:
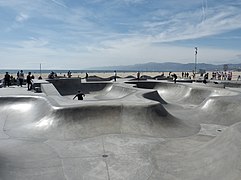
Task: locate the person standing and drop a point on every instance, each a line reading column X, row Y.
column 21, row 78
column 7, row 80
column 29, row 81
column 175, row 78
column 18, row 78
column 69, row 74
column 138, row 75
column 115, row 75
column 86, row 76
column 239, row 77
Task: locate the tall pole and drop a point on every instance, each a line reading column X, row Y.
column 195, row 67
column 40, row 70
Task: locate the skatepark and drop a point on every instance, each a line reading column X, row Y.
column 123, row 130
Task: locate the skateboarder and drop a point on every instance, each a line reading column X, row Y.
column 80, row 95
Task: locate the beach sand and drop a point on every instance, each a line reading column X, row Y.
column 120, row 74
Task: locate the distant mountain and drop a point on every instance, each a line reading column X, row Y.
column 169, row 66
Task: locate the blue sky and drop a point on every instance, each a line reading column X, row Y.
column 80, row 34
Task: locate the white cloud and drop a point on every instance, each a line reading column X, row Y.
column 189, row 25
column 21, row 17
column 59, row 3
column 34, row 43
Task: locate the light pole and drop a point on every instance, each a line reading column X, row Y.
column 195, row 66
column 40, row 68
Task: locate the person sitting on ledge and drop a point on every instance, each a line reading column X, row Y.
column 80, row 95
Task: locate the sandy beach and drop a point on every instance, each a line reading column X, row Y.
column 101, row 74
column 119, row 74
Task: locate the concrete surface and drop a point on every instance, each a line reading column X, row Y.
column 143, row 130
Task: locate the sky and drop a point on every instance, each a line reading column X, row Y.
column 82, row 34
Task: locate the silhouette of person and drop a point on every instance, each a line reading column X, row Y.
column 29, row 81
column 69, row 74
column 86, row 76
column 7, row 80
column 175, row 78
column 115, row 74
column 238, row 77
column 205, row 78
column 21, row 78
column 51, row 75
column 80, row 95
column 18, row 78
column 138, row 75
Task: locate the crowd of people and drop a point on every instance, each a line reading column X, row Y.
column 215, row 75
column 185, row 75
column 220, row 75
column 19, row 80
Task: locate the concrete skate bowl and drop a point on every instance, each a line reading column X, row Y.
column 177, row 93
column 200, row 103
column 97, row 90
column 212, row 107
column 182, row 93
column 34, row 117
column 141, row 135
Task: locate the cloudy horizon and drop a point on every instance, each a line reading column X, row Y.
column 68, row 34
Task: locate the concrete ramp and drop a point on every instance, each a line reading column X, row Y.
column 221, row 110
column 22, row 111
column 115, row 92
column 155, row 96
column 49, row 90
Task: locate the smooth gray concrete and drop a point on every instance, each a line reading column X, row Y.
column 143, row 130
